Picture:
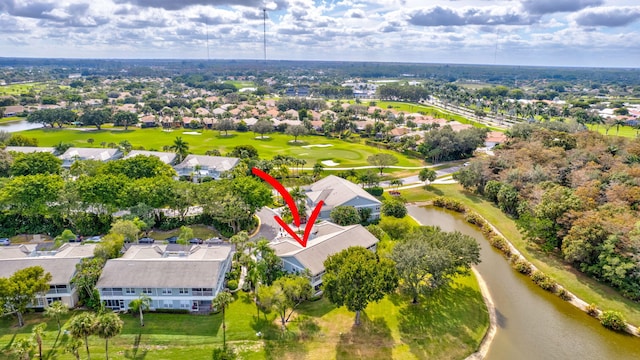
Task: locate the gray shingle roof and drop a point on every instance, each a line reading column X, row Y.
column 165, row 157
column 335, row 191
column 61, row 270
column 220, row 163
column 101, row 154
column 326, row 243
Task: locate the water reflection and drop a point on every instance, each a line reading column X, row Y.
column 532, row 323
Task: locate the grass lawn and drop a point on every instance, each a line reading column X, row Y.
column 17, row 89
column 584, row 287
column 624, row 131
column 448, row 325
column 200, row 231
column 347, row 154
column 10, row 119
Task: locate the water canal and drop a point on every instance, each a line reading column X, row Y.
column 532, row 323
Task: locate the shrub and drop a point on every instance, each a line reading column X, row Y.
column 168, row 311
column 501, row 244
column 475, row 219
column 542, row 280
column 522, row 266
column 375, row 190
column 224, row 353
column 232, row 284
column 592, row 310
column 564, row 295
column 394, row 208
column 613, row 320
column 449, row 204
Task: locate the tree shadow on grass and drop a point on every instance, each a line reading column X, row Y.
column 281, row 344
column 433, row 189
column 370, row 340
column 135, row 353
column 223, row 136
column 444, row 320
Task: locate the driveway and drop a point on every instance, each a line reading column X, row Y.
column 269, row 228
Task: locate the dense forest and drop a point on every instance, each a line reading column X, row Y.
column 573, row 193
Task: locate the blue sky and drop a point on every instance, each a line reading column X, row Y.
column 600, row 33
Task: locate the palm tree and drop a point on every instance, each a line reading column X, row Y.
column 180, row 147
column 396, row 182
column 22, row 348
column 72, row 346
column 108, row 325
column 82, row 326
column 317, row 169
column 221, row 301
column 143, row 302
column 56, row 310
column 38, row 334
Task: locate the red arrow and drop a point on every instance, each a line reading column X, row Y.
column 294, row 209
column 285, row 194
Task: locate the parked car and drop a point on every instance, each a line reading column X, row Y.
column 213, row 240
column 96, row 238
column 195, row 241
column 146, row 240
column 5, row 241
column 172, row 240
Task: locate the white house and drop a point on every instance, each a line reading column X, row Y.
column 200, row 166
column 173, row 276
column 61, row 263
column 336, row 191
column 166, row 157
column 327, row 239
column 100, row 154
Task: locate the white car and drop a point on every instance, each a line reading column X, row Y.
column 5, row 241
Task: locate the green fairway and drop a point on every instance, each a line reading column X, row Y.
column 583, row 286
column 447, row 325
column 312, row 148
column 17, row 89
column 624, row 131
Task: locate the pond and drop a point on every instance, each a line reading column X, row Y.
column 20, row 125
column 532, row 323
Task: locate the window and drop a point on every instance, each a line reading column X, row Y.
column 129, row 291
column 167, row 304
column 185, row 304
column 147, row 291
column 52, row 299
column 183, row 291
column 111, row 291
column 166, row 291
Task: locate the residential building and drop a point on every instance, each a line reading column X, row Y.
column 201, row 166
column 30, row 149
column 336, row 191
column 166, row 157
column 60, row 263
column 327, row 239
column 101, row 154
column 173, row 276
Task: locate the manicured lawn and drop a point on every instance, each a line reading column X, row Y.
column 584, row 287
column 200, row 231
column 347, row 154
column 624, row 131
column 448, row 325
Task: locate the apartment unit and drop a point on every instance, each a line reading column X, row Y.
column 61, row 263
column 327, row 239
column 173, row 276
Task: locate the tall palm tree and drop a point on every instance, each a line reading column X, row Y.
column 108, row 325
column 221, row 301
column 82, row 326
column 180, row 147
column 56, row 310
column 38, row 334
column 142, row 303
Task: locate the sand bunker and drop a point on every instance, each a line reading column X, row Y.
column 191, row 133
column 329, row 163
column 317, row 145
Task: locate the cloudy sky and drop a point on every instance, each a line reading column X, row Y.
column 515, row 32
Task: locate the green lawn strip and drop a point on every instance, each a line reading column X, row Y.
column 623, row 131
column 200, row 231
column 347, row 154
column 447, row 325
column 10, row 119
column 432, row 111
column 581, row 285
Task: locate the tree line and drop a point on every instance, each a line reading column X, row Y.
column 573, row 194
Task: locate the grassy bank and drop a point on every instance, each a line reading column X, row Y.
column 584, row 287
column 448, row 325
column 346, row 154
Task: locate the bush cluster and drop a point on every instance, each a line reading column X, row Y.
column 449, row 204
column 613, row 320
column 564, row 294
column 375, row 190
column 543, row 280
column 592, row 310
column 232, row 285
column 520, row 265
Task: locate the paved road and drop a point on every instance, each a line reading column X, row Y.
column 269, row 228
